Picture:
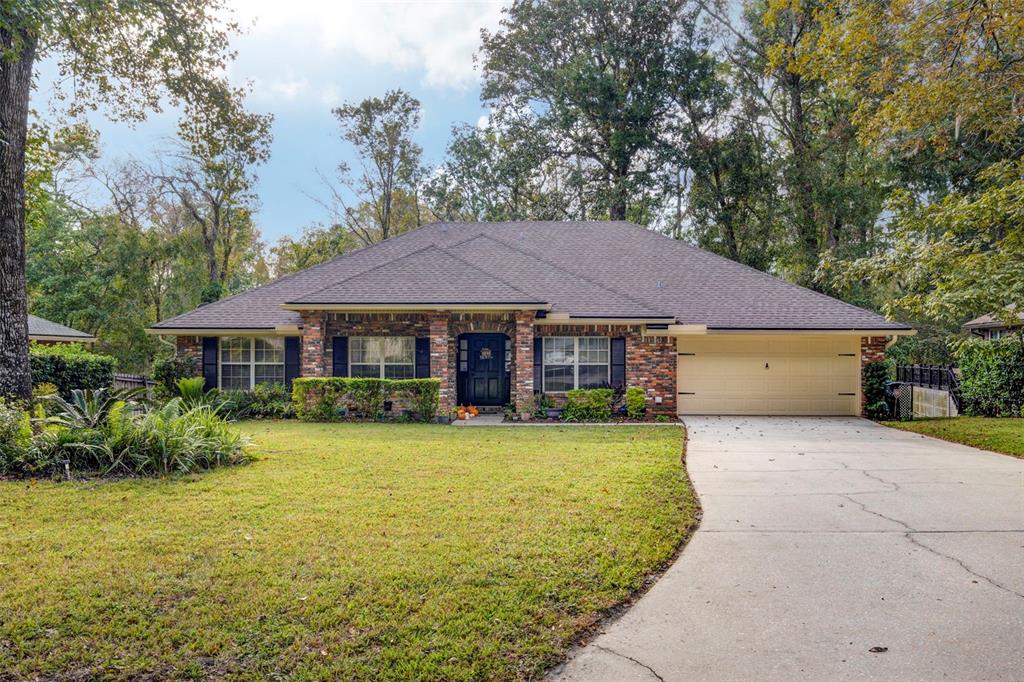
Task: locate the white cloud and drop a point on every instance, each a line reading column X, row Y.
column 438, row 37
column 275, row 90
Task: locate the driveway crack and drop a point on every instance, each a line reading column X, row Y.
column 643, row 665
column 909, row 535
column 964, row 566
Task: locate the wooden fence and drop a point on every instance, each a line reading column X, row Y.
column 134, row 381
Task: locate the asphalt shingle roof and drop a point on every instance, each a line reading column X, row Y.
column 582, row 268
column 991, row 320
column 430, row 275
column 37, row 326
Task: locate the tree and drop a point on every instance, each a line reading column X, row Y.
column 832, row 190
column 937, row 89
column 600, row 79
column 387, row 201
column 315, row 245
column 125, row 56
column 503, row 172
column 211, row 176
column 952, row 259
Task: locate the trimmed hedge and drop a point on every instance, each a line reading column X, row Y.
column 324, row 399
column 992, row 377
column 588, row 405
column 636, row 402
column 70, row 367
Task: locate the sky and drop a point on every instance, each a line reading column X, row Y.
column 304, row 57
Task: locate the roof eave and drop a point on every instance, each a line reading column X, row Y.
column 396, row 307
column 277, row 330
column 65, row 339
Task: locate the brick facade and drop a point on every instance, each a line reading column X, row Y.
column 314, row 355
column 522, row 362
column 441, row 364
column 190, row 346
column 650, row 360
column 872, row 349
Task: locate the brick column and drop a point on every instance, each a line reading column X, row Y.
column 440, row 362
column 522, row 379
column 314, row 329
column 872, row 349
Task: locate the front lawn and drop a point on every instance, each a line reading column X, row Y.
column 345, row 551
column 1004, row 435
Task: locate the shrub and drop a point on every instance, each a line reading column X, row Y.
column 328, row 398
column 874, row 377
column 421, row 395
column 192, row 391
column 266, row 401
column 88, row 409
column 636, row 402
column 992, row 377
column 173, row 439
column 70, row 367
column 168, row 371
column 15, row 435
column 588, row 405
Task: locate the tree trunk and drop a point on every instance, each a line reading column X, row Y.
column 15, row 86
column 803, row 182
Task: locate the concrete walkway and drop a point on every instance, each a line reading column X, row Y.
column 823, row 539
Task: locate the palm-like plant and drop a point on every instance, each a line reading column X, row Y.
column 89, row 408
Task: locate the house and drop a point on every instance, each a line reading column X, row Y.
column 500, row 311
column 47, row 332
column 991, row 328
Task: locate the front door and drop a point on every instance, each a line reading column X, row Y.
column 483, row 369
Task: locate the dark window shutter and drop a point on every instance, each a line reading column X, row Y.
column 339, row 356
column 292, row 361
column 538, row 363
column 618, row 362
column 423, row 357
column 210, row 362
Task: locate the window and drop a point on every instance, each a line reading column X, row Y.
column 575, row 362
column 382, row 357
column 247, row 361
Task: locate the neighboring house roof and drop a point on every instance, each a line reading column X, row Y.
column 45, row 330
column 990, row 321
column 584, row 269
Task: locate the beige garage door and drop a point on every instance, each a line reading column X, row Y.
column 771, row 374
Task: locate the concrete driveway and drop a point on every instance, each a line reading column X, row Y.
column 825, row 538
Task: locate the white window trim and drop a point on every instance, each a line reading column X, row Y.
column 252, row 361
column 381, row 364
column 575, row 361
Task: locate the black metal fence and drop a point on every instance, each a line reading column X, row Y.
column 928, row 376
column 931, row 376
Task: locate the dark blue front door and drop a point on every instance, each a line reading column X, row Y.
column 484, row 361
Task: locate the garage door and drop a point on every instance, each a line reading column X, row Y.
column 795, row 375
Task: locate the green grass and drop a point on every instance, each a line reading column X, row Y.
column 1004, row 435
column 344, row 551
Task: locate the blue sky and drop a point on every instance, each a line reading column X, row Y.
column 304, row 57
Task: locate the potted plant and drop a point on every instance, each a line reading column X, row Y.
column 546, row 408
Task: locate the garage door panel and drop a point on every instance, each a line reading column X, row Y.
column 768, row 375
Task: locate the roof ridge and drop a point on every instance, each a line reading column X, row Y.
column 420, row 251
column 535, row 256
column 491, row 274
